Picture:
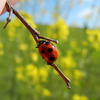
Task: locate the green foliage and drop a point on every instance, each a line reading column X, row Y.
column 24, row 75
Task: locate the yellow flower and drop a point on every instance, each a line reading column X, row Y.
column 46, row 92
column 31, row 23
column 34, row 56
column 23, row 46
column 19, row 73
column 20, row 76
column 91, row 38
column 76, row 97
column 93, row 35
column 78, row 74
column 29, row 67
column 84, row 97
column 32, row 71
column 96, row 45
column 43, row 74
column 59, row 30
column 1, row 52
column 94, row 38
column 68, row 61
column 1, row 45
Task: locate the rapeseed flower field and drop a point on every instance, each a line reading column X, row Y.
column 24, row 75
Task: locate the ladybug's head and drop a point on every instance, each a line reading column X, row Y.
column 40, row 43
column 48, row 51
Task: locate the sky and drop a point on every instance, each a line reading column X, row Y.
column 76, row 16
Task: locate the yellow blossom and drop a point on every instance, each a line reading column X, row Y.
column 84, row 97
column 23, row 46
column 76, row 97
column 19, row 73
column 78, row 74
column 1, row 52
column 59, row 30
column 20, row 76
column 29, row 67
column 34, row 56
column 68, row 61
column 94, row 38
column 43, row 74
column 91, row 38
column 46, row 92
column 1, row 45
column 96, row 45
column 32, row 71
column 93, row 35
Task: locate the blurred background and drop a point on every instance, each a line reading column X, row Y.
column 24, row 75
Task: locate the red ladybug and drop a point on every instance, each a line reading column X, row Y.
column 48, row 51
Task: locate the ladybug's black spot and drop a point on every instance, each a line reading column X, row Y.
column 47, row 43
column 42, row 51
column 50, row 50
column 51, row 58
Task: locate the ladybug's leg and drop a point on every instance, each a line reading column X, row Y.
column 67, row 81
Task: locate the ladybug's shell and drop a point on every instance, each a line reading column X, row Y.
column 48, row 51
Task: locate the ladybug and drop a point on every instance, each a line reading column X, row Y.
column 48, row 51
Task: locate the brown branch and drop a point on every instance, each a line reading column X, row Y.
column 67, row 81
column 36, row 36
